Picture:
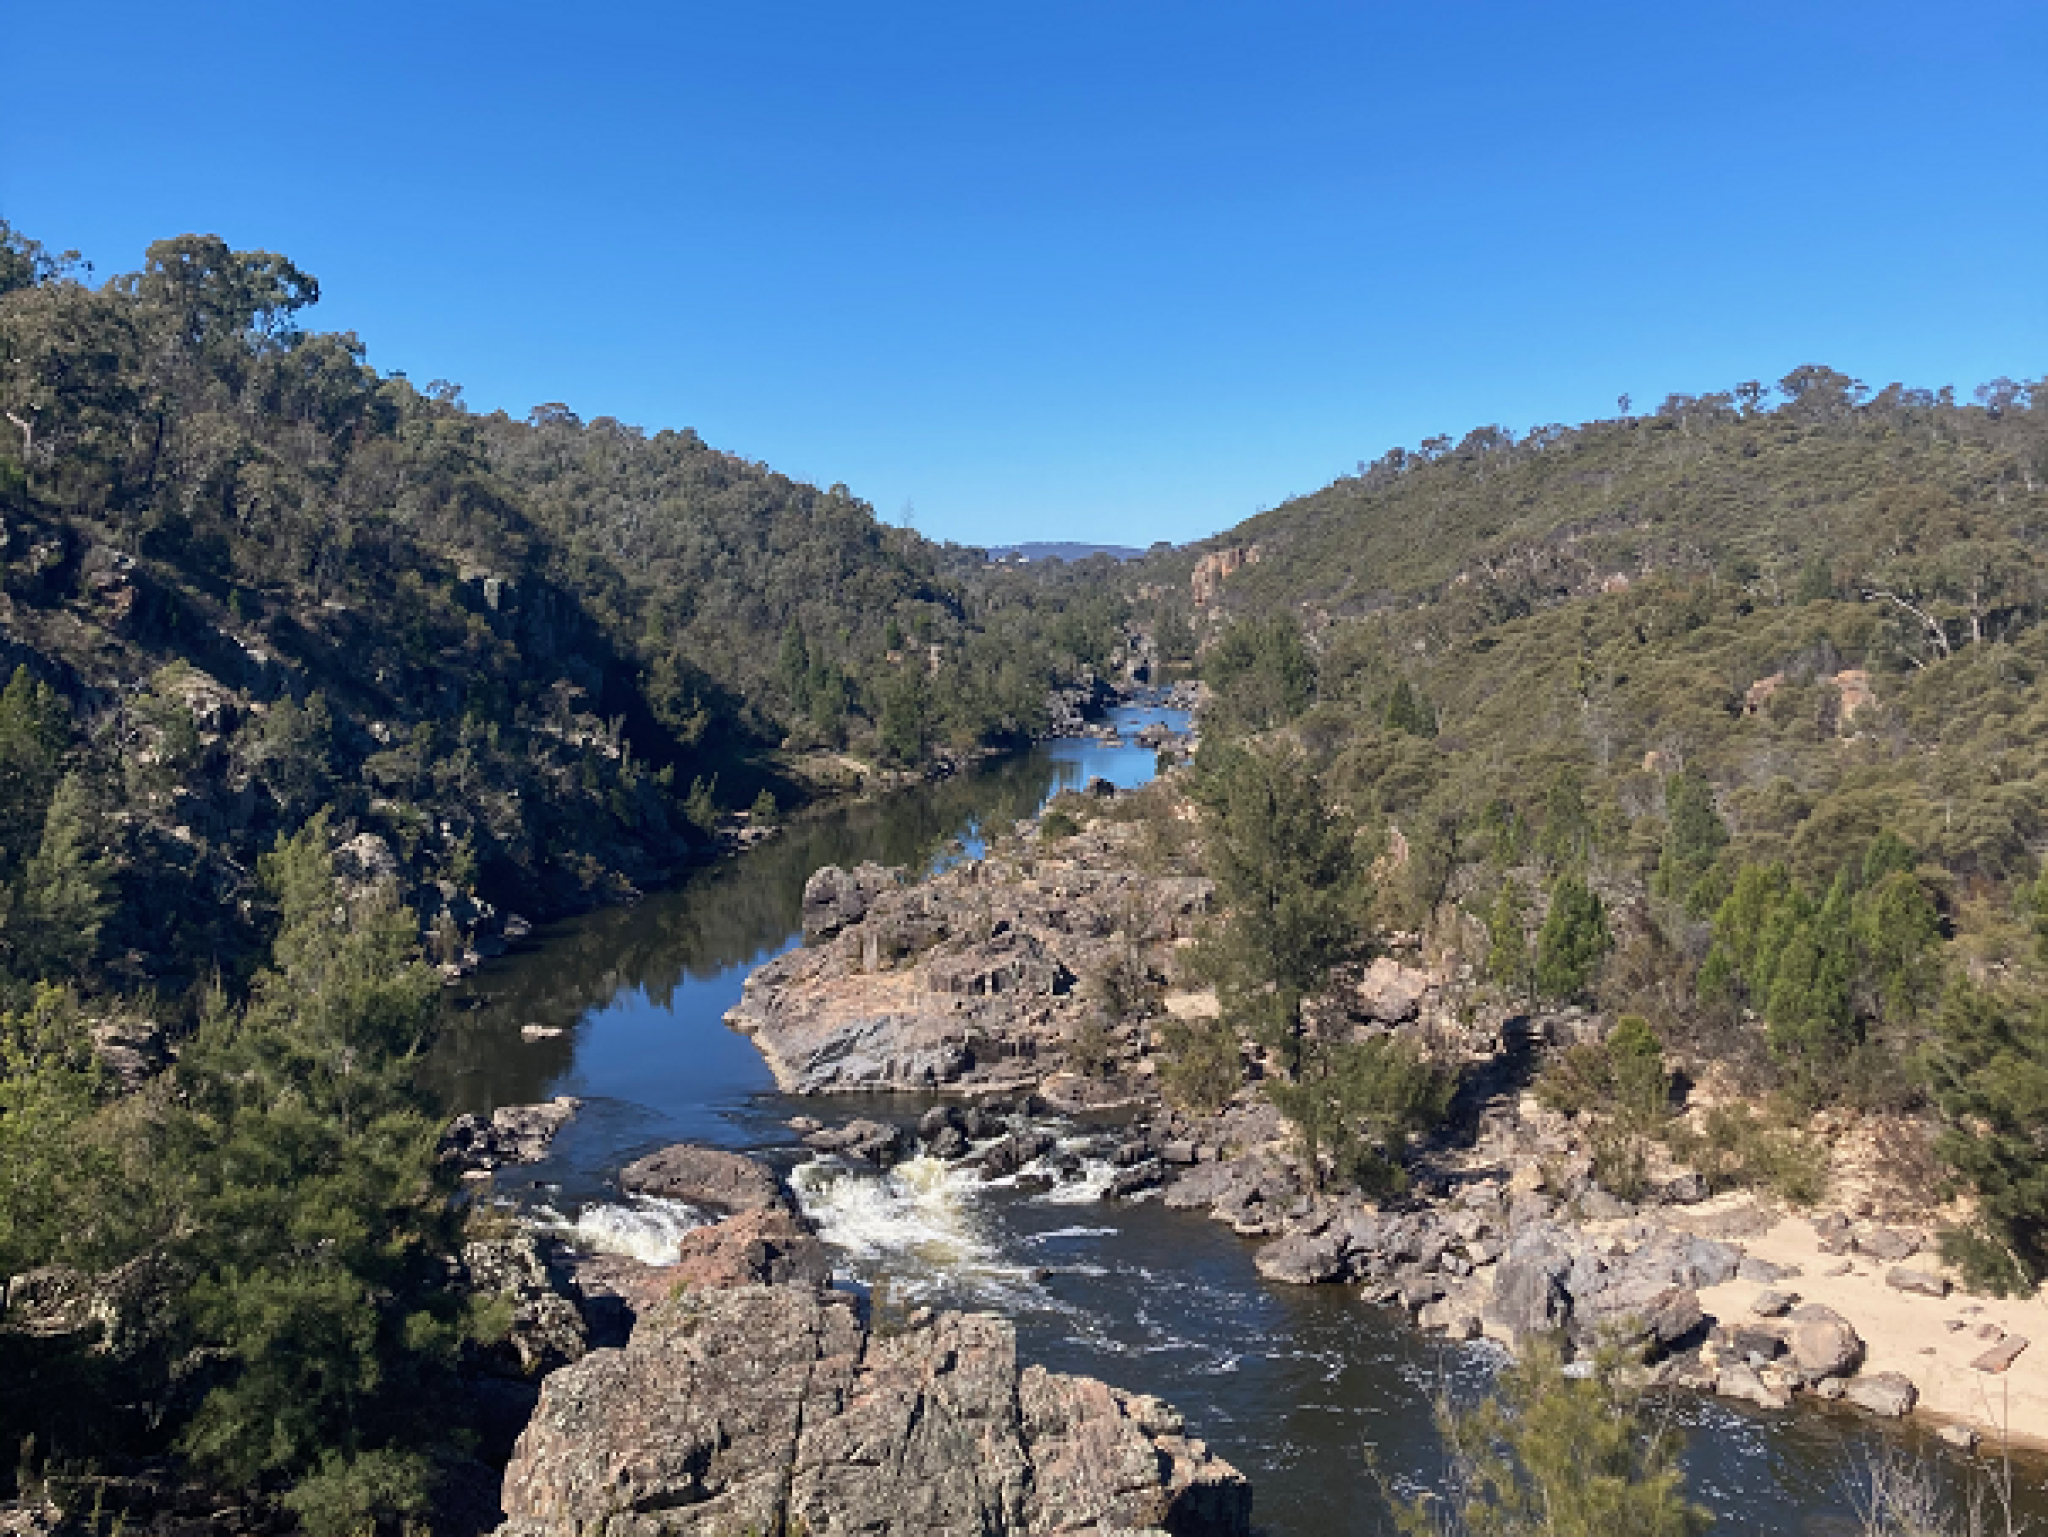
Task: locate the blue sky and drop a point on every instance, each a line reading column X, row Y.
column 1120, row 270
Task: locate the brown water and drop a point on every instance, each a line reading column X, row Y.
column 1291, row 1384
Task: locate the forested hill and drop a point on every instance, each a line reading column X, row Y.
column 1815, row 481
column 248, row 576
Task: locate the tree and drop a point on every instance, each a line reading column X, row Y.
column 1284, row 867
column 317, row 1215
column 1988, row 1071
column 1509, row 965
column 1261, row 672
column 1357, row 1103
column 1555, row 1456
column 34, row 727
column 52, row 1177
column 1694, row 836
column 54, row 928
column 1567, row 836
column 1574, row 939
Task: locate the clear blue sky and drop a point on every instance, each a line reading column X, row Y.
column 1117, row 270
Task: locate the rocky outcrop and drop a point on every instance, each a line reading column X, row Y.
column 776, row 1409
column 1205, row 582
column 974, row 980
column 709, row 1178
column 547, row 1328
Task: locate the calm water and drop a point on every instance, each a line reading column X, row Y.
column 1291, row 1384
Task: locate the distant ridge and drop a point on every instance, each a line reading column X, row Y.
column 1061, row 550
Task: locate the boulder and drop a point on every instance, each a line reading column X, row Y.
column 1823, row 1343
column 1883, row 1393
column 1299, row 1259
column 1888, row 1244
column 1745, row 1383
column 875, row 1142
column 133, row 1051
column 1773, row 1304
column 1390, row 992
column 1999, row 1357
column 756, row 1248
column 1529, row 1293
column 1687, row 1189
column 708, row 1177
column 513, row 1134
column 772, row 1409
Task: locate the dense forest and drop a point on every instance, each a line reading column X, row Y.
column 533, row 662
column 1724, row 722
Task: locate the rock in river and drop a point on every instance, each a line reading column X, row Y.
column 773, row 1409
column 705, row 1176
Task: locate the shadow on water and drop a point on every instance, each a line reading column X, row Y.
column 1291, row 1384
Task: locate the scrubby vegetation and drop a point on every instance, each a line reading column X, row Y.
column 1726, row 719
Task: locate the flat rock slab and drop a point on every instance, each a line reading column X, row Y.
column 1883, row 1393
column 708, row 1177
column 2000, row 1357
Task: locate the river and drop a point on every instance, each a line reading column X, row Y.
column 1291, row 1384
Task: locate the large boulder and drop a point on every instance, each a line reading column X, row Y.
column 1300, row 1259
column 1883, row 1393
column 1390, row 992
column 1823, row 1343
column 772, row 1409
column 1530, row 1295
column 707, row 1177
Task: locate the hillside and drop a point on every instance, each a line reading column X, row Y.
column 1730, row 719
column 527, row 664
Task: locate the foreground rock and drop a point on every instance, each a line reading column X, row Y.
column 770, row 1409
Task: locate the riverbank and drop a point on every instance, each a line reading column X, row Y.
column 1043, row 970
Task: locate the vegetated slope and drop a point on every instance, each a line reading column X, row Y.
column 1732, row 719
column 1905, row 489
column 526, row 661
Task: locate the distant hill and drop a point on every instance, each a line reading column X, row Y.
column 1061, row 550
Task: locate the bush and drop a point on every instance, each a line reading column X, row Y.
column 1056, row 825
column 1738, row 1149
column 1202, row 1065
column 1357, row 1104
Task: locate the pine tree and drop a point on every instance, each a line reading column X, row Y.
column 34, row 726
column 1284, row 868
column 1508, row 963
column 1574, row 939
column 1693, row 839
column 53, row 928
column 1989, row 1075
column 1550, row 1455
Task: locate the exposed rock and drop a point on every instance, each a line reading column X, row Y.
column 1687, row 1189
column 1205, row 582
column 1301, row 1259
column 513, row 1134
column 1885, row 1393
column 836, row 899
column 1961, row 1437
column 757, row 1248
column 1773, row 1304
column 1887, row 1244
column 2001, row 1356
column 1744, row 1382
column 707, row 1177
column 1918, row 1282
column 875, row 1142
column 1763, row 1271
column 132, row 1050
column 771, row 1409
column 1823, row 1343
column 1529, row 1293
column 1390, row 992
column 547, row 1326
